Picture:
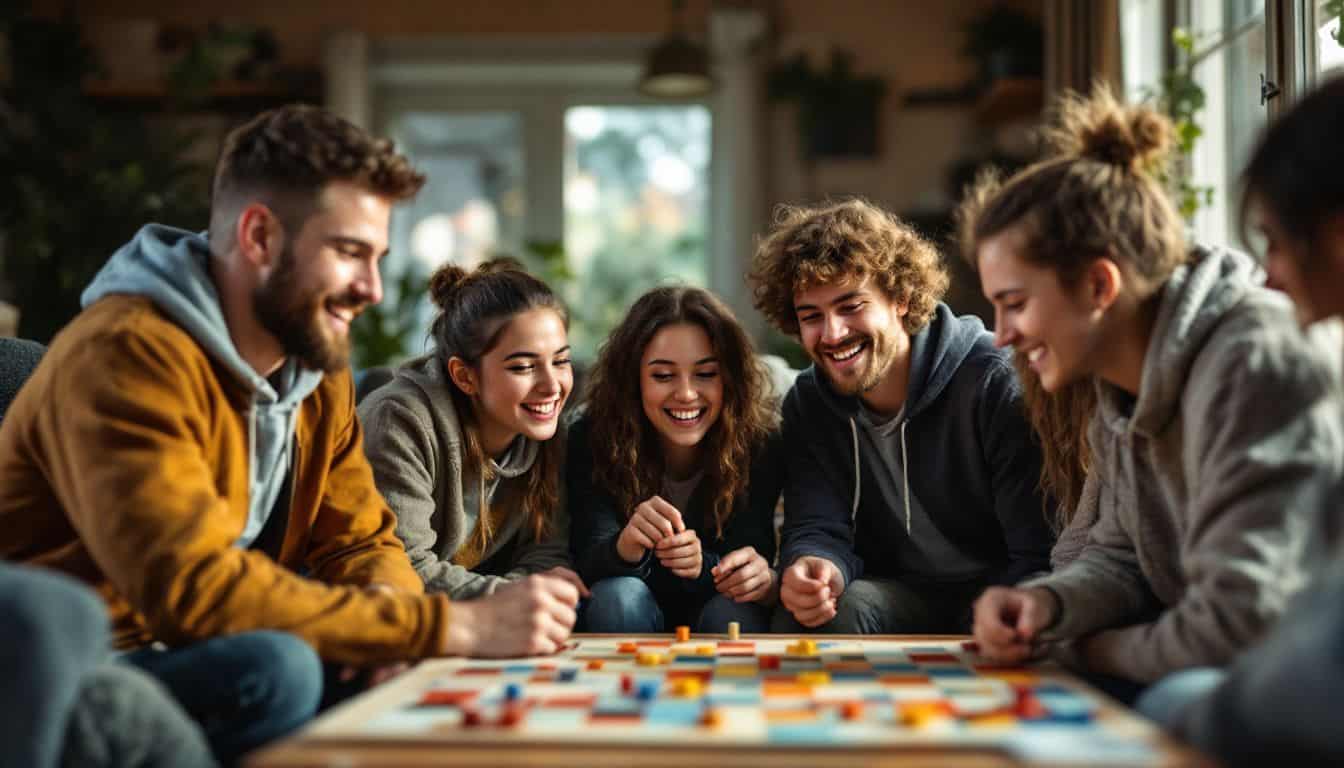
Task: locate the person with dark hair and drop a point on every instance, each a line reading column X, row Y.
column 1214, row 428
column 462, row 441
column 188, row 445
column 673, row 472
column 912, row 474
column 1276, row 705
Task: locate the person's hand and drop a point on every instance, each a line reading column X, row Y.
column 529, row 617
column 680, row 553
column 651, row 522
column 1008, row 621
column 743, row 575
column 561, row 572
column 810, row 588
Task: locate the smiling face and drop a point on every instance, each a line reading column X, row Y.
column 852, row 331
column 325, row 276
column 522, row 383
column 680, row 386
column 1051, row 326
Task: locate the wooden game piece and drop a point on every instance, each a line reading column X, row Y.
column 688, row 687
column 513, row 715
column 471, row 718
column 734, row 631
column 595, row 664
column 627, row 683
column 513, row 692
column 627, row 648
column 648, row 691
column 804, row 647
column 917, row 714
column 852, row 710
column 712, row 718
column 705, row 650
column 768, row 661
column 813, row 677
column 683, row 634
column 649, row 659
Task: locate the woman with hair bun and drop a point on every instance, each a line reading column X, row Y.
column 461, row 440
column 1213, row 433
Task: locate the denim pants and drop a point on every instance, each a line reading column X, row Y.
column 626, row 605
column 244, row 690
column 889, row 607
column 64, row 701
column 1164, row 701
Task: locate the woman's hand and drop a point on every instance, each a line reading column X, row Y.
column 681, row 554
column 651, row 522
column 743, row 575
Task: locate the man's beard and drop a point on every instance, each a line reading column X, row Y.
column 879, row 362
column 297, row 319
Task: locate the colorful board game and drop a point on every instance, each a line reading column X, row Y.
column 753, row 692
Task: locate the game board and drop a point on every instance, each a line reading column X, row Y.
column 759, row 692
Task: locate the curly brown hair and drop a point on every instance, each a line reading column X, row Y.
column 850, row 240
column 474, row 308
column 627, row 457
column 286, row 156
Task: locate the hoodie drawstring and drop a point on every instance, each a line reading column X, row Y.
column 905, row 477
column 854, row 510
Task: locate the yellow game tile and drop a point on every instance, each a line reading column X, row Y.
column 649, row 659
column 736, row 670
column 813, row 677
column 705, row 650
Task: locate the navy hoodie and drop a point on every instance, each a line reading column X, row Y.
column 968, row 459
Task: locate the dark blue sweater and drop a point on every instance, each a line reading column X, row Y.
column 596, row 522
column 971, row 461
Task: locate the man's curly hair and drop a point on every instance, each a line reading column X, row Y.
column 286, row 156
column 850, row 240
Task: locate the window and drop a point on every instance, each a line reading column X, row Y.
column 561, row 157
column 1229, row 57
column 1329, row 49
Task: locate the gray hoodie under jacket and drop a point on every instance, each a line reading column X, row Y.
column 171, row 268
column 414, row 442
column 1206, row 485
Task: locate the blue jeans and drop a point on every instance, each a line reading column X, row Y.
column 64, row 700
column 1164, row 701
column 626, row 605
column 890, row 607
column 244, row 690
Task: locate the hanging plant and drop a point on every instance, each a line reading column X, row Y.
column 837, row 109
column 1181, row 97
column 1335, row 8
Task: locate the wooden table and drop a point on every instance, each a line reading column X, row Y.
column 322, row 743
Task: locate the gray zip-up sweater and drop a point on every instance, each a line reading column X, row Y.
column 414, row 442
column 1206, row 483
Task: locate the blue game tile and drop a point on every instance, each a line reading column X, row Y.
column 519, row 669
column 903, row 668
column 948, row 672
column 814, row 732
column 921, row 649
column 567, row 675
column 851, row 675
column 673, row 712
column 617, row 705
column 693, row 661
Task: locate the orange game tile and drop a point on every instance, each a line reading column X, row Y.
column 595, row 664
column 789, row 715
column 903, row 679
column 852, row 710
column 447, row 698
column 627, row 647
column 770, row 688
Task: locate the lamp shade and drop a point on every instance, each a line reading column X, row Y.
column 677, row 68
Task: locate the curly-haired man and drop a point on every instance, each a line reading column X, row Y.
column 911, row 469
column 189, row 447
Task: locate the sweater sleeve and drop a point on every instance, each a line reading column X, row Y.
column 125, row 457
column 595, row 521
column 354, row 538
column 1014, row 459
column 407, row 463
column 817, row 514
column 1262, row 451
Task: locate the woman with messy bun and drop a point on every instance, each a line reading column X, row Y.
column 461, row 439
column 1210, row 432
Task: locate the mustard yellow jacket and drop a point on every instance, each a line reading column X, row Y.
column 123, row 463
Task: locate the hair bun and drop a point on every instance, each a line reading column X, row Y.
column 1102, row 129
column 500, row 264
column 444, row 283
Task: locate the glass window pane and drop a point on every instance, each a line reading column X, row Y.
column 471, row 207
column 636, row 209
column 1143, row 42
column 1329, row 49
